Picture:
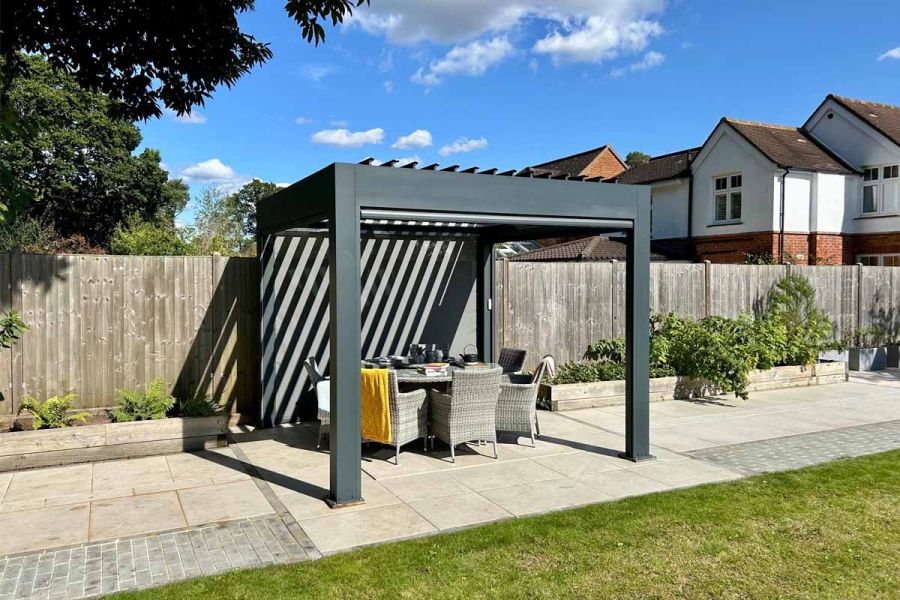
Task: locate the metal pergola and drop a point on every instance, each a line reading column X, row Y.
column 352, row 201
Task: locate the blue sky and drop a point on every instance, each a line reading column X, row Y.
column 512, row 83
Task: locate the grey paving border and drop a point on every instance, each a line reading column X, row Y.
column 804, row 450
column 142, row 562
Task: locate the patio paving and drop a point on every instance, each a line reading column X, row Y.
column 202, row 502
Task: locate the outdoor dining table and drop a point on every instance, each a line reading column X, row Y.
column 411, row 377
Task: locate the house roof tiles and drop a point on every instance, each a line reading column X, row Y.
column 585, row 249
column 789, row 146
column 660, row 168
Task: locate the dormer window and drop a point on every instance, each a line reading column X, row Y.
column 727, row 199
column 881, row 189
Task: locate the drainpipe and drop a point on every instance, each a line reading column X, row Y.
column 692, row 251
column 781, row 230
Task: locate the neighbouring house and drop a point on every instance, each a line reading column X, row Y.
column 595, row 248
column 824, row 193
column 601, row 163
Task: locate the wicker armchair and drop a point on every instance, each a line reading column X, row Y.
column 409, row 415
column 512, row 359
column 469, row 412
column 517, row 406
column 322, row 386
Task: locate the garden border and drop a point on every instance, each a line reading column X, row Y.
column 572, row 396
column 109, row 441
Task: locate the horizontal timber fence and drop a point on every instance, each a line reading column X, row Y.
column 561, row 308
column 98, row 324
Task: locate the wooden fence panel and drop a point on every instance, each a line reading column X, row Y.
column 836, row 293
column 6, row 355
column 879, row 295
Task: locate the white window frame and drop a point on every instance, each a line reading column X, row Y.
column 730, row 191
column 879, row 258
column 884, row 185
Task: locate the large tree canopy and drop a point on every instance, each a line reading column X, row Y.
column 77, row 164
column 147, row 53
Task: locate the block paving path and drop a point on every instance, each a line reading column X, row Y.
column 795, row 452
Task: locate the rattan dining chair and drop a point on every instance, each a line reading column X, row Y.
column 322, row 387
column 512, row 359
column 469, row 412
column 409, row 415
column 517, row 405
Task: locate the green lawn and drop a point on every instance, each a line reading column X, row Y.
column 825, row 532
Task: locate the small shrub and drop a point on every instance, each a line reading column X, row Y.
column 612, row 349
column 52, row 413
column 11, row 329
column 147, row 238
column 807, row 327
column 149, row 405
column 199, row 405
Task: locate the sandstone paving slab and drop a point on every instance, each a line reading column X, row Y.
column 119, row 474
column 29, row 530
column 135, row 515
column 622, row 483
column 576, row 464
column 424, row 486
column 346, row 530
column 685, row 472
column 544, row 496
column 223, row 502
column 462, row 510
column 503, row 474
column 46, row 483
column 219, row 463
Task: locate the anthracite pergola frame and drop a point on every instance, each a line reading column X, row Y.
column 350, row 201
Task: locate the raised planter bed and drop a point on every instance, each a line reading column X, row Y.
column 572, row 396
column 108, row 441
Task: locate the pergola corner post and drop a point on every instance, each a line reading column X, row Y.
column 484, row 292
column 345, row 341
column 637, row 336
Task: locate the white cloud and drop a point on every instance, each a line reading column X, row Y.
column 211, row 172
column 344, row 138
column 650, row 60
column 892, row 54
column 598, row 40
column 472, row 59
column 339, row 123
column 420, row 138
column 389, row 87
column 463, row 145
column 533, row 65
column 193, row 118
column 578, row 30
column 386, row 64
column 301, row 120
column 316, row 73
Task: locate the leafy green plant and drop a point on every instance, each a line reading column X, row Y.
column 792, row 303
column 52, row 413
column 11, row 328
column 153, row 403
column 612, row 349
column 199, row 405
column 864, row 337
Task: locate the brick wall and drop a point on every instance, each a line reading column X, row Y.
column 830, row 249
column 875, row 243
column 604, row 165
column 734, row 248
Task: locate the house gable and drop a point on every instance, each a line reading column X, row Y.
column 850, row 136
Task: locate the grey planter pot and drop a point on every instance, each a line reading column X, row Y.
column 868, row 359
column 893, row 356
column 835, row 356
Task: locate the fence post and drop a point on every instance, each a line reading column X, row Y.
column 859, row 297
column 17, row 372
column 707, row 288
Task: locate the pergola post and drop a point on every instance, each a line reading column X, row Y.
column 344, row 330
column 637, row 337
column 484, row 291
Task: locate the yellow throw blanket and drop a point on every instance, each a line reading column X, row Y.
column 376, row 414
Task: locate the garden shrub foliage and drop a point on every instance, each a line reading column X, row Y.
column 52, row 413
column 153, row 403
column 719, row 350
column 199, row 405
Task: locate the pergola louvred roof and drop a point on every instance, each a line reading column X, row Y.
column 352, row 201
